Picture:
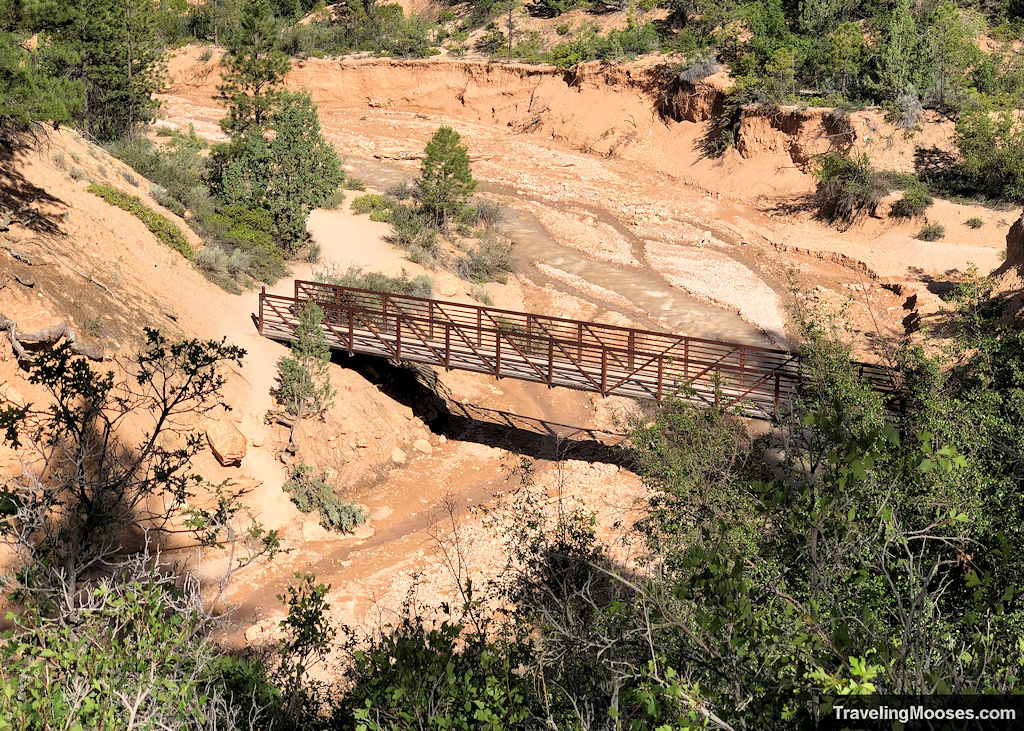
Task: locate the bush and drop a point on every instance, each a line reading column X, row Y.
column 700, row 67
column 312, row 492
column 486, row 214
column 847, row 186
column 249, row 230
column 165, row 231
column 354, row 184
column 369, row 203
column 974, row 222
column 914, row 203
column 412, row 232
column 357, row 277
column 223, row 266
column 489, row 261
column 931, row 232
column 991, row 145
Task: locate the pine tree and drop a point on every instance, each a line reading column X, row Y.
column 254, row 69
column 288, row 176
column 304, row 380
column 446, row 180
column 899, row 52
column 109, row 46
column 28, row 95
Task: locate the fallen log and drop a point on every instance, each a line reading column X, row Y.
column 49, row 336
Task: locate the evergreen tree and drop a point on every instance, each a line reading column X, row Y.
column 446, row 180
column 899, row 53
column 952, row 52
column 288, row 176
column 254, row 69
column 111, row 48
column 304, row 380
column 27, row 94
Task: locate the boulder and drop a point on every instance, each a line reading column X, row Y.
column 422, row 445
column 398, row 456
column 226, row 442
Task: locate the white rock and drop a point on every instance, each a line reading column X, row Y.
column 422, row 445
column 398, row 456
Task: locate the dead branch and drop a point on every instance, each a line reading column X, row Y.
column 49, row 336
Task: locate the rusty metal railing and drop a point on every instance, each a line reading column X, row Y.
column 605, row 359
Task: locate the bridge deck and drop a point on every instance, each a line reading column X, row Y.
column 605, row 359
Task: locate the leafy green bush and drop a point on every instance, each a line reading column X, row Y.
column 617, row 45
column 974, row 222
column 846, row 187
column 165, row 231
column 312, row 492
column 248, row 230
column 991, row 145
column 369, row 203
column 931, row 232
column 414, row 233
column 489, row 261
column 914, row 203
column 420, row 286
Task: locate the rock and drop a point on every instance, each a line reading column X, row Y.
column 227, row 443
column 398, row 456
column 422, row 445
column 447, row 287
column 442, row 439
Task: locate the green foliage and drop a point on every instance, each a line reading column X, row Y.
column 134, row 655
column 378, row 28
column 931, row 232
column 847, row 187
column 111, row 48
column 445, row 181
column 28, row 95
column 974, row 222
column 446, row 676
column 412, row 231
column 253, row 69
column 312, row 492
column 488, row 261
column 419, row 286
column 914, row 203
column 369, row 203
column 251, row 232
column 304, row 381
column 165, row 231
column 991, row 145
column 288, row 176
column 616, row 45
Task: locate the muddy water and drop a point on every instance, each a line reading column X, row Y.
column 643, row 287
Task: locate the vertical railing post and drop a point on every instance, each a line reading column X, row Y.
column 686, row 359
column 447, row 345
column 776, row 392
column 479, row 326
column 661, row 364
column 579, row 342
column 430, row 314
column 497, row 354
column 632, row 347
column 263, row 294
column 351, row 331
column 604, row 371
column 398, row 336
column 551, row 360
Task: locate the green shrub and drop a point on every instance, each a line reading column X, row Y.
column 420, row 286
column 312, row 492
column 354, row 184
column 931, row 232
column 914, row 203
column 369, row 203
column 250, row 230
column 974, row 222
column 414, row 233
column 481, row 295
column 562, row 29
column 165, row 231
column 223, row 266
column 381, row 216
column 846, row 187
column 489, row 261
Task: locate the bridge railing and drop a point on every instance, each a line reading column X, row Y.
column 606, row 359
